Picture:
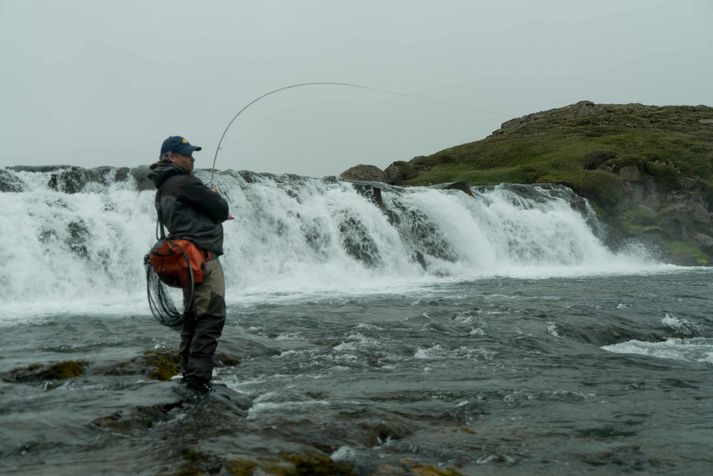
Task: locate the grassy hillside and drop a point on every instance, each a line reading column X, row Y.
column 599, row 150
column 570, row 145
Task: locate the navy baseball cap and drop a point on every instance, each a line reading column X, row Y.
column 178, row 145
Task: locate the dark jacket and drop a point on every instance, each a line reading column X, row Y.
column 187, row 208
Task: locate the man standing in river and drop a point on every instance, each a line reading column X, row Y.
column 191, row 211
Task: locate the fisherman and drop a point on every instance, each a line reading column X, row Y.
column 192, row 211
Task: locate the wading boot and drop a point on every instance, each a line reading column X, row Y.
column 198, row 385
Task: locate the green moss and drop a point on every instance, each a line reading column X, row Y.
column 40, row 372
column 62, row 370
column 165, row 364
column 685, row 253
column 315, row 465
column 428, row 470
column 559, row 146
column 639, row 221
column 196, row 462
column 240, row 467
column 639, row 216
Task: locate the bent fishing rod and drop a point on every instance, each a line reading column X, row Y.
column 330, row 83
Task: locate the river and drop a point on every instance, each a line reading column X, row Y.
column 493, row 334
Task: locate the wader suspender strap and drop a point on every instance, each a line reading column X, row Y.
column 159, row 223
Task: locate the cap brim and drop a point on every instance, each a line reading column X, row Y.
column 188, row 149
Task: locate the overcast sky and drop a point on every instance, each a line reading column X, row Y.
column 92, row 82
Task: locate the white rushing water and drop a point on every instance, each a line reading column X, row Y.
column 292, row 236
column 697, row 349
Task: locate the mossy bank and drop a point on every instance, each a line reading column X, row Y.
column 647, row 170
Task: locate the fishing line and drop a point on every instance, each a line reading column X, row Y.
column 349, row 85
column 160, row 301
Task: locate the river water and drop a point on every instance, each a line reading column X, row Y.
column 493, row 334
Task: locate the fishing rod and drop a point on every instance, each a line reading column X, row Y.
column 330, row 83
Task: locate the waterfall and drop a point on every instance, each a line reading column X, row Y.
column 73, row 239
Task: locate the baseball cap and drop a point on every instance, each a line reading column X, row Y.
column 178, row 145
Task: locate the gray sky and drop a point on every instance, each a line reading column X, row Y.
column 92, row 82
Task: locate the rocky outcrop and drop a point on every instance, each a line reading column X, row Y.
column 646, row 170
column 366, row 173
column 398, row 172
column 71, row 179
column 672, row 214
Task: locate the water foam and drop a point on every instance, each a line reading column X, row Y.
column 293, row 238
column 698, row 349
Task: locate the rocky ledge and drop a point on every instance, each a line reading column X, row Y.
column 647, row 170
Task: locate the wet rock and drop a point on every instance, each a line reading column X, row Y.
column 357, row 242
column 706, row 242
column 10, row 183
column 223, row 359
column 79, row 237
column 141, row 176
column 318, row 465
column 379, row 431
column 462, row 186
column 197, row 462
column 314, row 233
column 163, row 364
column 138, row 418
column 364, row 172
column 41, row 372
column 407, row 468
column 239, row 467
column 288, row 465
column 38, row 168
column 424, row 236
column 370, row 191
column 74, row 179
column 155, row 364
column 122, row 174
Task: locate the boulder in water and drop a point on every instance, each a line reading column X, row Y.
column 73, row 179
column 462, row 186
column 370, row 191
column 357, row 242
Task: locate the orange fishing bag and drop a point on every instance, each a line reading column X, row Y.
column 175, row 260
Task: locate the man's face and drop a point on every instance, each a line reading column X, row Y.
column 185, row 162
